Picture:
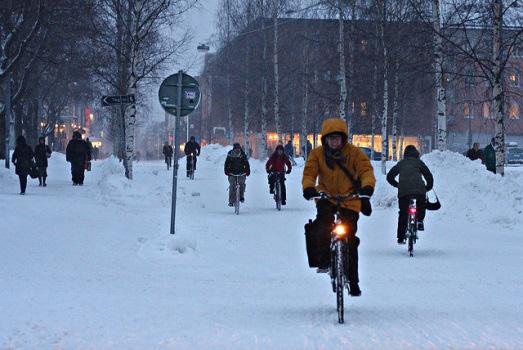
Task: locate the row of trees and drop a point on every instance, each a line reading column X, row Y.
column 386, row 53
column 53, row 52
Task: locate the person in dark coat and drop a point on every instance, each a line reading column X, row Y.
column 77, row 153
column 411, row 171
column 23, row 160
column 475, row 152
column 275, row 167
column 490, row 156
column 42, row 152
column 168, row 154
column 192, row 150
column 236, row 164
column 306, row 149
column 289, row 151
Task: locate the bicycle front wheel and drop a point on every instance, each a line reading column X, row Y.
column 339, row 281
column 278, row 195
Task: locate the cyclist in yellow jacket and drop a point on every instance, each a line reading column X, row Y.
column 338, row 168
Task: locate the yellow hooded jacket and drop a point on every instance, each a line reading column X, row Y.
column 334, row 181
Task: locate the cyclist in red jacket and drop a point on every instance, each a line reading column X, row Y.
column 276, row 169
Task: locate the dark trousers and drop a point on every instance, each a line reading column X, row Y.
column 272, row 182
column 169, row 161
column 403, row 213
column 42, row 174
column 323, row 226
column 23, row 182
column 194, row 159
column 77, row 171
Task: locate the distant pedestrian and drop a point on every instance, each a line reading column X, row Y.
column 168, row 154
column 96, row 153
column 289, row 151
column 306, row 149
column 490, row 156
column 23, row 160
column 475, row 153
column 42, row 153
column 78, row 154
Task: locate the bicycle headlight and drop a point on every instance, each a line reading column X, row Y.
column 340, row 230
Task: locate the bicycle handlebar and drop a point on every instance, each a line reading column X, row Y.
column 339, row 197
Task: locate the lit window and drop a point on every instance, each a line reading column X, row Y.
column 363, row 109
column 514, row 79
column 466, row 111
column 487, row 114
column 513, row 111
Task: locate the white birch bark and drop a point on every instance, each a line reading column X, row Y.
column 305, row 103
column 441, row 100
column 395, row 112
column 384, row 135
column 342, row 70
column 264, row 151
column 498, row 93
column 277, row 120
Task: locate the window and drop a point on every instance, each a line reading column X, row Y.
column 487, row 113
column 364, row 44
column 363, row 109
column 513, row 111
column 514, row 79
column 327, row 76
column 466, row 111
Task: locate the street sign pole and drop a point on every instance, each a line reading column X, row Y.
column 176, row 148
column 7, row 115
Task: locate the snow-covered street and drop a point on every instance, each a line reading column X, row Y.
column 94, row 267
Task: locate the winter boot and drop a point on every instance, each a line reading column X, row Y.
column 354, row 289
column 421, row 226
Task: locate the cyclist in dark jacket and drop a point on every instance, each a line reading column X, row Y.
column 411, row 171
column 275, row 167
column 236, row 164
column 23, row 160
column 192, row 150
column 42, row 152
column 77, row 153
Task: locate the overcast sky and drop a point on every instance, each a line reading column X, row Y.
column 202, row 22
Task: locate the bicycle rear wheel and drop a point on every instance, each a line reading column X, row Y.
column 412, row 235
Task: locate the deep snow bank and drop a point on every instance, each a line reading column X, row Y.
column 465, row 189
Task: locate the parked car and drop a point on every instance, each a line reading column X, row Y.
column 514, row 156
column 367, row 150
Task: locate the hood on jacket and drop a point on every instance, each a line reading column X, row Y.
column 410, row 152
column 334, row 126
column 20, row 141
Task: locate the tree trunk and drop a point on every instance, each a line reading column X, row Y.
column 384, row 135
column 441, row 100
column 277, row 120
column 246, row 104
column 350, row 84
column 498, row 93
column 341, row 52
column 263, row 152
column 305, row 103
column 395, row 112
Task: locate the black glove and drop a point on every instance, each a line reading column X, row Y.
column 268, row 171
column 366, row 207
column 366, row 191
column 288, row 171
column 309, row 193
column 427, row 188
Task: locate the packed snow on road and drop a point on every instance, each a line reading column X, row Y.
column 95, row 267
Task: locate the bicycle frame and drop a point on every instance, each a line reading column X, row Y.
column 277, row 189
column 412, row 226
column 237, row 192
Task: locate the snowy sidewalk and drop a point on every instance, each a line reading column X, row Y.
column 94, row 267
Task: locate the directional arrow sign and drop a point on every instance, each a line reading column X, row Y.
column 116, row 100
